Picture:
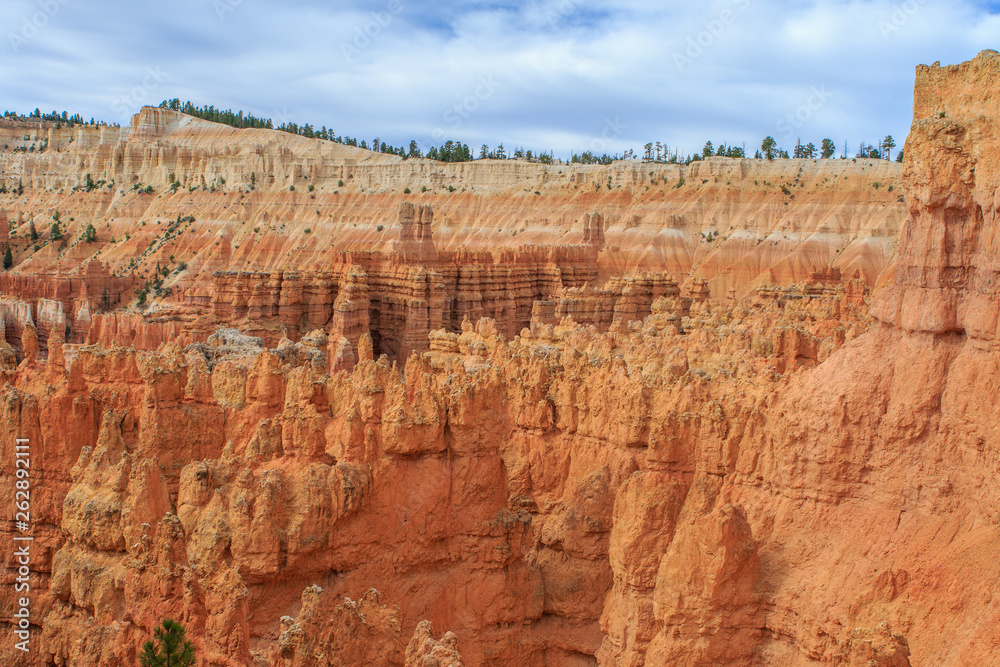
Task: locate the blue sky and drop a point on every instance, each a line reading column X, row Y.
column 565, row 75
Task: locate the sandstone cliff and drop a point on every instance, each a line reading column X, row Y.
column 262, row 200
column 647, row 472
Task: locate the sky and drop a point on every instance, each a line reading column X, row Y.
column 560, row 75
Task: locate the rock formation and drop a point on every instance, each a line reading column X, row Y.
column 4, row 231
column 647, row 470
column 194, row 198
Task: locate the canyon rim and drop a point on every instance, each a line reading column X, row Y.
column 376, row 411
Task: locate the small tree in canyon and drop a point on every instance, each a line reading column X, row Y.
column 170, row 648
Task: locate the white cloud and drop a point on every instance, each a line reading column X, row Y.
column 565, row 68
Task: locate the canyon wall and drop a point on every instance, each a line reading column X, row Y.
column 660, row 468
column 488, row 487
column 262, row 200
column 174, row 217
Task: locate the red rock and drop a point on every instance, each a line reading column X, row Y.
column 425, row 651
column 698, row 480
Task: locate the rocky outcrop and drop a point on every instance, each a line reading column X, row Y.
column 415, row 242
column 901, row 408
column 593, row 230
column 875, row 647
column 172, row 190
column 68, row 301
column 438, row 473
column 329, row 632
column 199, row 225
column 401, row 295
column 4, row 231
column 425, row 651
column 780, row 479
column 944, row 274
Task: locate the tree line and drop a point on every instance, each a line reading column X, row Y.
column 54, row 117
column 770, row 150
column 449, row 151
column 456, row 151
column 243, row 120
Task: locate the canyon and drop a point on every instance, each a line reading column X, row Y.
column 331, row 407
column 176, row 200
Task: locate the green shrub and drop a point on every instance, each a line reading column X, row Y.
column 169, row 648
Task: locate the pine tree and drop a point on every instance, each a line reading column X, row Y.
column 170, row 648
column 769, row 147
column 90, row 234
column 887, row 145
column 828, row 149
column 8, row 259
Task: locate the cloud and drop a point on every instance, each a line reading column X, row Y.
column 557, row 72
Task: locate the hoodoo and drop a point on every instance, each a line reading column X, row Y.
column 514, row 419
column 201, row 219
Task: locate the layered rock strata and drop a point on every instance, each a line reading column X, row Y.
column 172, row 189
column 776, row 479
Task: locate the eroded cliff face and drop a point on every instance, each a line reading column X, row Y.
column 495, row 489
column 229, row 200
column 890, row 442
column 692, row 478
